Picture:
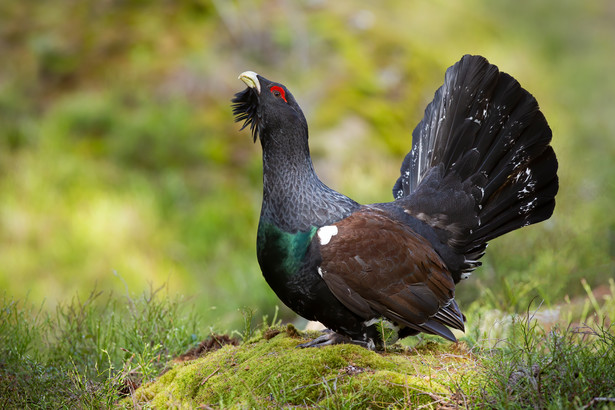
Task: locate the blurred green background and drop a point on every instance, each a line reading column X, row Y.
column 121, row 166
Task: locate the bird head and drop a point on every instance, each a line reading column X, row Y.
column 266, row 106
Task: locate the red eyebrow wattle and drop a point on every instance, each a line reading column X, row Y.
column 280, row 90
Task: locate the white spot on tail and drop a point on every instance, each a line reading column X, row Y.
column 326, row 233
column 320, row 272
column 528, row 207
column 475, row 120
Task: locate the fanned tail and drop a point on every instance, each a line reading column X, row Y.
column 481, row 164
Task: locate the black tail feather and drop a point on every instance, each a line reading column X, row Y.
column 524, row 199
column 495, row 170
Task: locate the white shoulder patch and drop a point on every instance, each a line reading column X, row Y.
column 326, row 233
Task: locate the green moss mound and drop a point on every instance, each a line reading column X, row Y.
column 271, row 371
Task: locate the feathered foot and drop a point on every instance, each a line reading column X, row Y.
column 330, row 338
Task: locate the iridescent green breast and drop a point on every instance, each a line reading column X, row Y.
column 281, row 254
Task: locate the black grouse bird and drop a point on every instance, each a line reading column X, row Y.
column 480, row 166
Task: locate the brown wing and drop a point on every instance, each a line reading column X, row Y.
column 377, row 266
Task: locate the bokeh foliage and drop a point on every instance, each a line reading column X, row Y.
column 120, row 164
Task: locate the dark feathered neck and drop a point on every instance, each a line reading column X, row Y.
column 294, row 198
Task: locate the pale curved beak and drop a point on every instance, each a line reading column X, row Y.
column 251, row 80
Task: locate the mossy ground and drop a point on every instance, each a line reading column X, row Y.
column 272, row 371
column 90, row 357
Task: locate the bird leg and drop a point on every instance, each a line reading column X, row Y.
column 330, row 338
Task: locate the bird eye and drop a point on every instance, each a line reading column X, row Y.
column 279, row 92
